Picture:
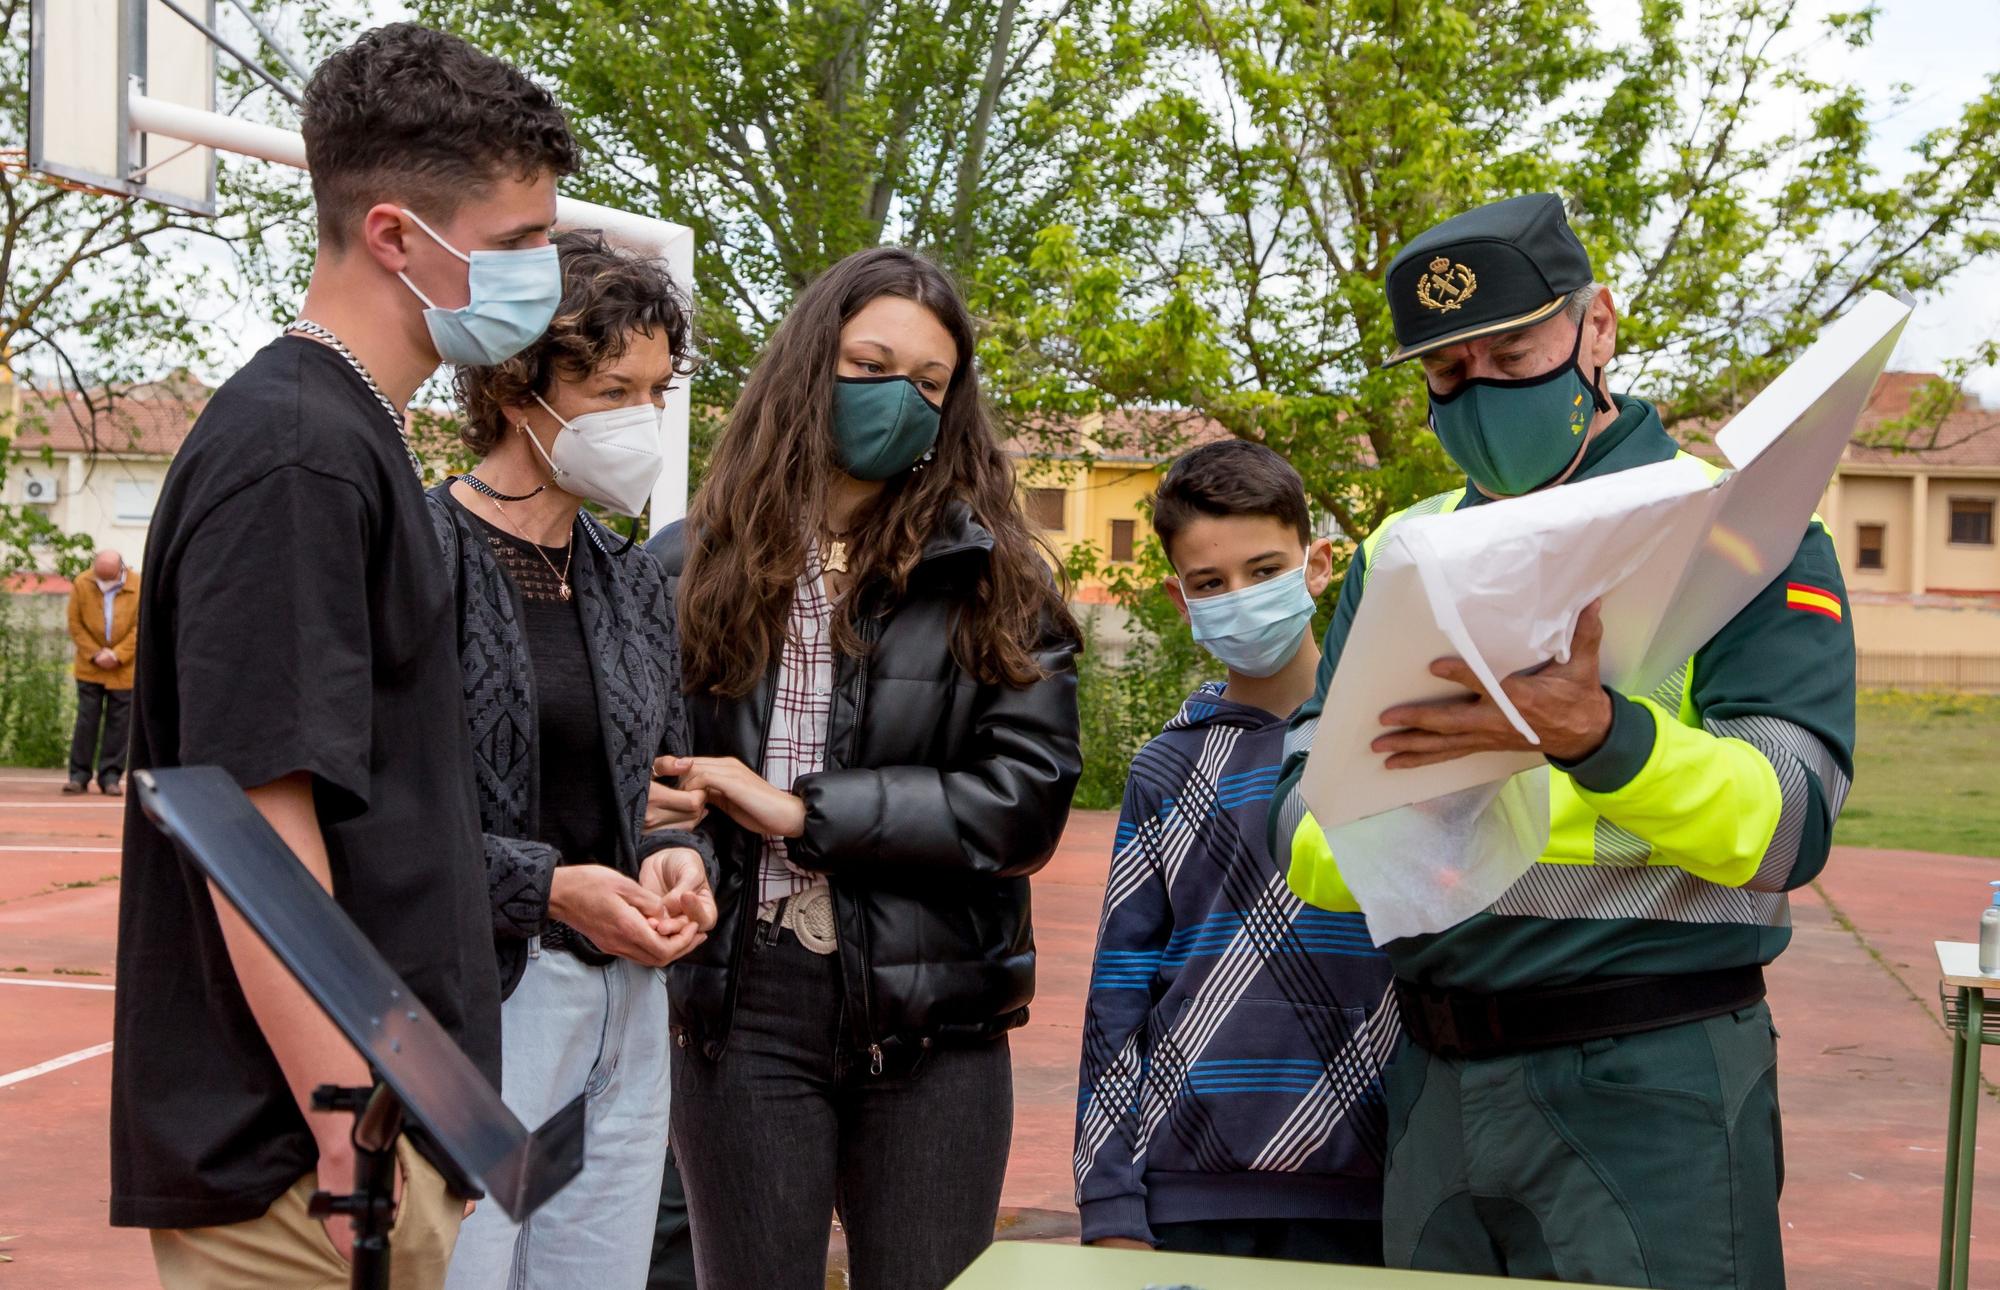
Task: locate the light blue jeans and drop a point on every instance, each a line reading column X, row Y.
column 602, row 1031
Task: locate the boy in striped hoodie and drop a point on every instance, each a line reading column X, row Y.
column 1230, row 1099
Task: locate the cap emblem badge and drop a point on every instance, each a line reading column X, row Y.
column 1446, row 286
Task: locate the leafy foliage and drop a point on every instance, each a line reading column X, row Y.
column 1281, row 151
column 788, row 136
column 1124, row 698
column 37, row 701
column 1168, row 208
column 100, row 295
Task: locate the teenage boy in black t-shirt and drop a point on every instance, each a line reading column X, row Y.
column 300, row 634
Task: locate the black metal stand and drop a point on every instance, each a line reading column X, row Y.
column 422, row 1076
column 378, row 1120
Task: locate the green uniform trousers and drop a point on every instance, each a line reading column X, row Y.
column 1653, row 1159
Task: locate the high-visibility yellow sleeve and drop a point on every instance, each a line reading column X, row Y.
column 1706, row 803
column 1313, row 876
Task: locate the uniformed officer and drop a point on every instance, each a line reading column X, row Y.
column 1590, row 1088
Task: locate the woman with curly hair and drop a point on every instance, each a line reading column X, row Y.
column 568, row 647
column 883, row 694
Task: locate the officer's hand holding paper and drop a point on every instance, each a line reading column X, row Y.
column 1433, row 825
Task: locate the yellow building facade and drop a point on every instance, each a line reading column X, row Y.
column 1105, row 504
column 1093, row 485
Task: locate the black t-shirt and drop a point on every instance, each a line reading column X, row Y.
column 299, row 617
column 578, row 806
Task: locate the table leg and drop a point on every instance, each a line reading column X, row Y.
column 1948, row 1224
column 1968, row 1130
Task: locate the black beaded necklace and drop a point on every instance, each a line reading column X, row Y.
column 484, row 489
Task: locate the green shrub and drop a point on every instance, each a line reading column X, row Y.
column 1123, row 702
column 37, row 698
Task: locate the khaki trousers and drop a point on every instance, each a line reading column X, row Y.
column 288, row 1249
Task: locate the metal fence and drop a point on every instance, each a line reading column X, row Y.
column 1890, row 671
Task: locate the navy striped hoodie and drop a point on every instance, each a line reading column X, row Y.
column 1233, row 1037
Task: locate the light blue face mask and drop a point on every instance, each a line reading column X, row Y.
column 1257, row 630
column 513, row 296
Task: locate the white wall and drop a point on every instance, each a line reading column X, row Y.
column 110, row 499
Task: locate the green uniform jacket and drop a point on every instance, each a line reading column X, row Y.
column 1672, row 847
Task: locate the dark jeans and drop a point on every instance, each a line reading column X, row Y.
column 790, row 1126
column 111, row 708
column 1305, row 1240
column 673, row 1249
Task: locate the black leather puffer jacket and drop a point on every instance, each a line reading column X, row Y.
column 940, row 797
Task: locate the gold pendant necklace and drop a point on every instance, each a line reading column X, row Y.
column 836, row 557
column 562, row 576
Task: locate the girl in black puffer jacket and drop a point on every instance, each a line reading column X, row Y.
column 882, row 683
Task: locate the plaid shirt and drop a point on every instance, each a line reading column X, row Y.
column 797, row 742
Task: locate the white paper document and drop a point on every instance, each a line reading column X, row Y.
column 1673, row 551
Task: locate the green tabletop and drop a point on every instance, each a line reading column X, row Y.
column 1025, row 1265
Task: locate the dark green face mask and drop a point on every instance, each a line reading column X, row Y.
column 881, row 425
column 1512, row 437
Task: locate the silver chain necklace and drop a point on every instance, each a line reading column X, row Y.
column 318, row 332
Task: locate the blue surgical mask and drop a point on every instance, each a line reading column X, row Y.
column 1257, row 630
column 513, row 295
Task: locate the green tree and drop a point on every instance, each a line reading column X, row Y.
column 1283, row 150
column 99, row 295
column 790, row 135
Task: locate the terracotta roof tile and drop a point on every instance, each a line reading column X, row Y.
column 150, row 420
column 1129, row 436
column 37, row 584
column 1969, row 437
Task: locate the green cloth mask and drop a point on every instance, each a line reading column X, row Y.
column 881, row 425
column 1512, row 437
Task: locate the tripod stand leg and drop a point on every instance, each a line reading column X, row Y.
column 378, row 1121
column 375, row 1180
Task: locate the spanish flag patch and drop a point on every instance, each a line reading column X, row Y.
column 1811, row 599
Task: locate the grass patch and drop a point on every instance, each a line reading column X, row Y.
column 74, row 972
column 1925, row 774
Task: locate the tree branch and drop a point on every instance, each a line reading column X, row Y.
column 974, row 151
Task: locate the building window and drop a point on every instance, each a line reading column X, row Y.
column 132, row 502
column 1972, row 521
column 1121, row 539
column 1868, row 538
column 1045, row 508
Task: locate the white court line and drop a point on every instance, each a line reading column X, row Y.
column 69, row 850
column 54, row 985
column 112, row 804
column 54, row 1064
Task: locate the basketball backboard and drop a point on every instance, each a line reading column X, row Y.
column 88, row 58
column 122, row 100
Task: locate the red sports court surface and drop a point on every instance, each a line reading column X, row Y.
column 1865, row 1059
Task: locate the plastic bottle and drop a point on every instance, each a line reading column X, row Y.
column 1989, row 935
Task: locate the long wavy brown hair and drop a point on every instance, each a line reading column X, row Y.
column 768, row 485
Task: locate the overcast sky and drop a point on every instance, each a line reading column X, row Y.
column 1945, row 49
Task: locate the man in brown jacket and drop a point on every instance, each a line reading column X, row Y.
column 104, row 623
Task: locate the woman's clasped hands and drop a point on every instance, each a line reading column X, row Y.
column 663, row 915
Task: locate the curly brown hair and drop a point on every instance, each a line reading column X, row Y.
column 767, row 492
column 608, row 294
column 424, row 118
